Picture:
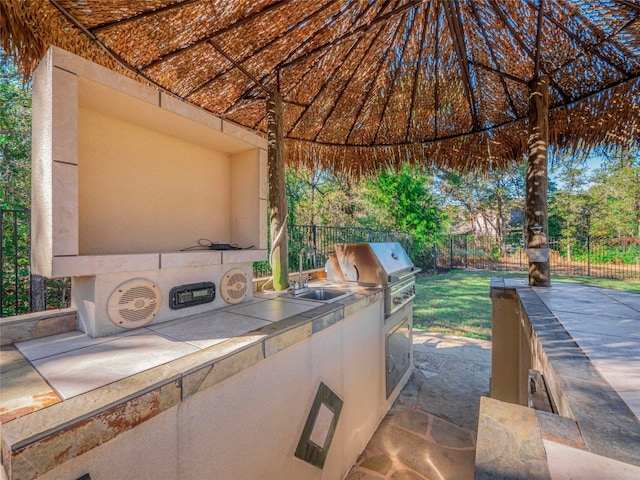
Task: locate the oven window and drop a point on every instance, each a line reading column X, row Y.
column 398, row 352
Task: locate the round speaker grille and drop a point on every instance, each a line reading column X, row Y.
column 234, row 286
column 134, row 303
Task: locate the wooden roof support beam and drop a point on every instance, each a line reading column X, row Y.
column 457, row 33
column 286, row 62
column 309, row 69
column 117, row 58
column 217, row 33
column 630, row 4
column 300, row 79
column 324, row 85
column 417, row 72
column 537, row 181
column 436, row 86
column 536, row 64
column 501, row 74
column 588, row 48
column 395, row 76
column 141, row 15
column 261, row 49
column 126, row 65
column 371, row 85
column 359, row 30
column 322, row 88
column 601, row 34
column 246, row 72
column 346, row 84
column 496, row 8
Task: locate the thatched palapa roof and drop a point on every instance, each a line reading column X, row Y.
column 367, row 83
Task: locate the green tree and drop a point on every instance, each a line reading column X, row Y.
column 15, row 137
column 617, row 184
column 404, row 203
column 487, row 202
column 323, row 197
column 571, row 205
column 604, row 202
column 296, row 188
column 15, row 186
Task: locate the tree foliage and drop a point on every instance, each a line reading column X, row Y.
column 389, row 201
column 602, row 202
column 489, row 204
column 405, row 203
column 616, row 191
column 15, row 137
column 15, row 187
column 392, row 200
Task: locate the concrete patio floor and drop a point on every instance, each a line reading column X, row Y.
column 430, row 432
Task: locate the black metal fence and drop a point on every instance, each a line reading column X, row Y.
column 14, row 259
column 16, row 291
column 596, row 257
column 318, row 244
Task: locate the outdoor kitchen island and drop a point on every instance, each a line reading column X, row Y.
column 220, row 408
column 565, row 390
column 172, row 364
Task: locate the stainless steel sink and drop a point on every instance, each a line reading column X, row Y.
column 323, row 294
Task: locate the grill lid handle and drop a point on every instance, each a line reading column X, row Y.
column 399, row 278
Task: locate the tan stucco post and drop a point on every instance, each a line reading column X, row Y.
column 277, row 197
column 536, row 183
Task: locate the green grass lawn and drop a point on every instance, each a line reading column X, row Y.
column 457, row 303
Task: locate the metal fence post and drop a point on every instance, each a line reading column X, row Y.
column 1, row 260
column 588, row 255
column 315, row 246
column 451, row 252
column 519, row 258
column 466, row 252
column 434, row 257
column 15, row 257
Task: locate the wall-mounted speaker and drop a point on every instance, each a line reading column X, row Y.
column 234, row 286
column 134, row 303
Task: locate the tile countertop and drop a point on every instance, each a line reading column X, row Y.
column 79, row 378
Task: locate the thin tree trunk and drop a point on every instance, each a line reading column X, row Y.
column 277, row 193
column 38, row 294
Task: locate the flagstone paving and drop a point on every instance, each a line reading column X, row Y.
column 430, row 432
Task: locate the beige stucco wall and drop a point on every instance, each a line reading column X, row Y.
column 506, row 370
column 143, row 191
column 120, row 167
column 248, row 426
column 53, row 170
column 247, row 195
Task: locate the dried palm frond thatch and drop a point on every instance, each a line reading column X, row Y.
column 368, row 83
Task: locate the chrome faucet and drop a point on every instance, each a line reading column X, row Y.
column 302, row 285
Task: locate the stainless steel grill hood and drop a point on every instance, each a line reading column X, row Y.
column 370, row 263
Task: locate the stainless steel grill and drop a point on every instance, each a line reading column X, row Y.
column 376, row 264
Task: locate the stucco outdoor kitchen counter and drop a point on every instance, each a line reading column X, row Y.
column 105, row 386
column 583, row 342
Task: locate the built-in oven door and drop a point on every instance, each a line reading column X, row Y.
column 398, row 344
